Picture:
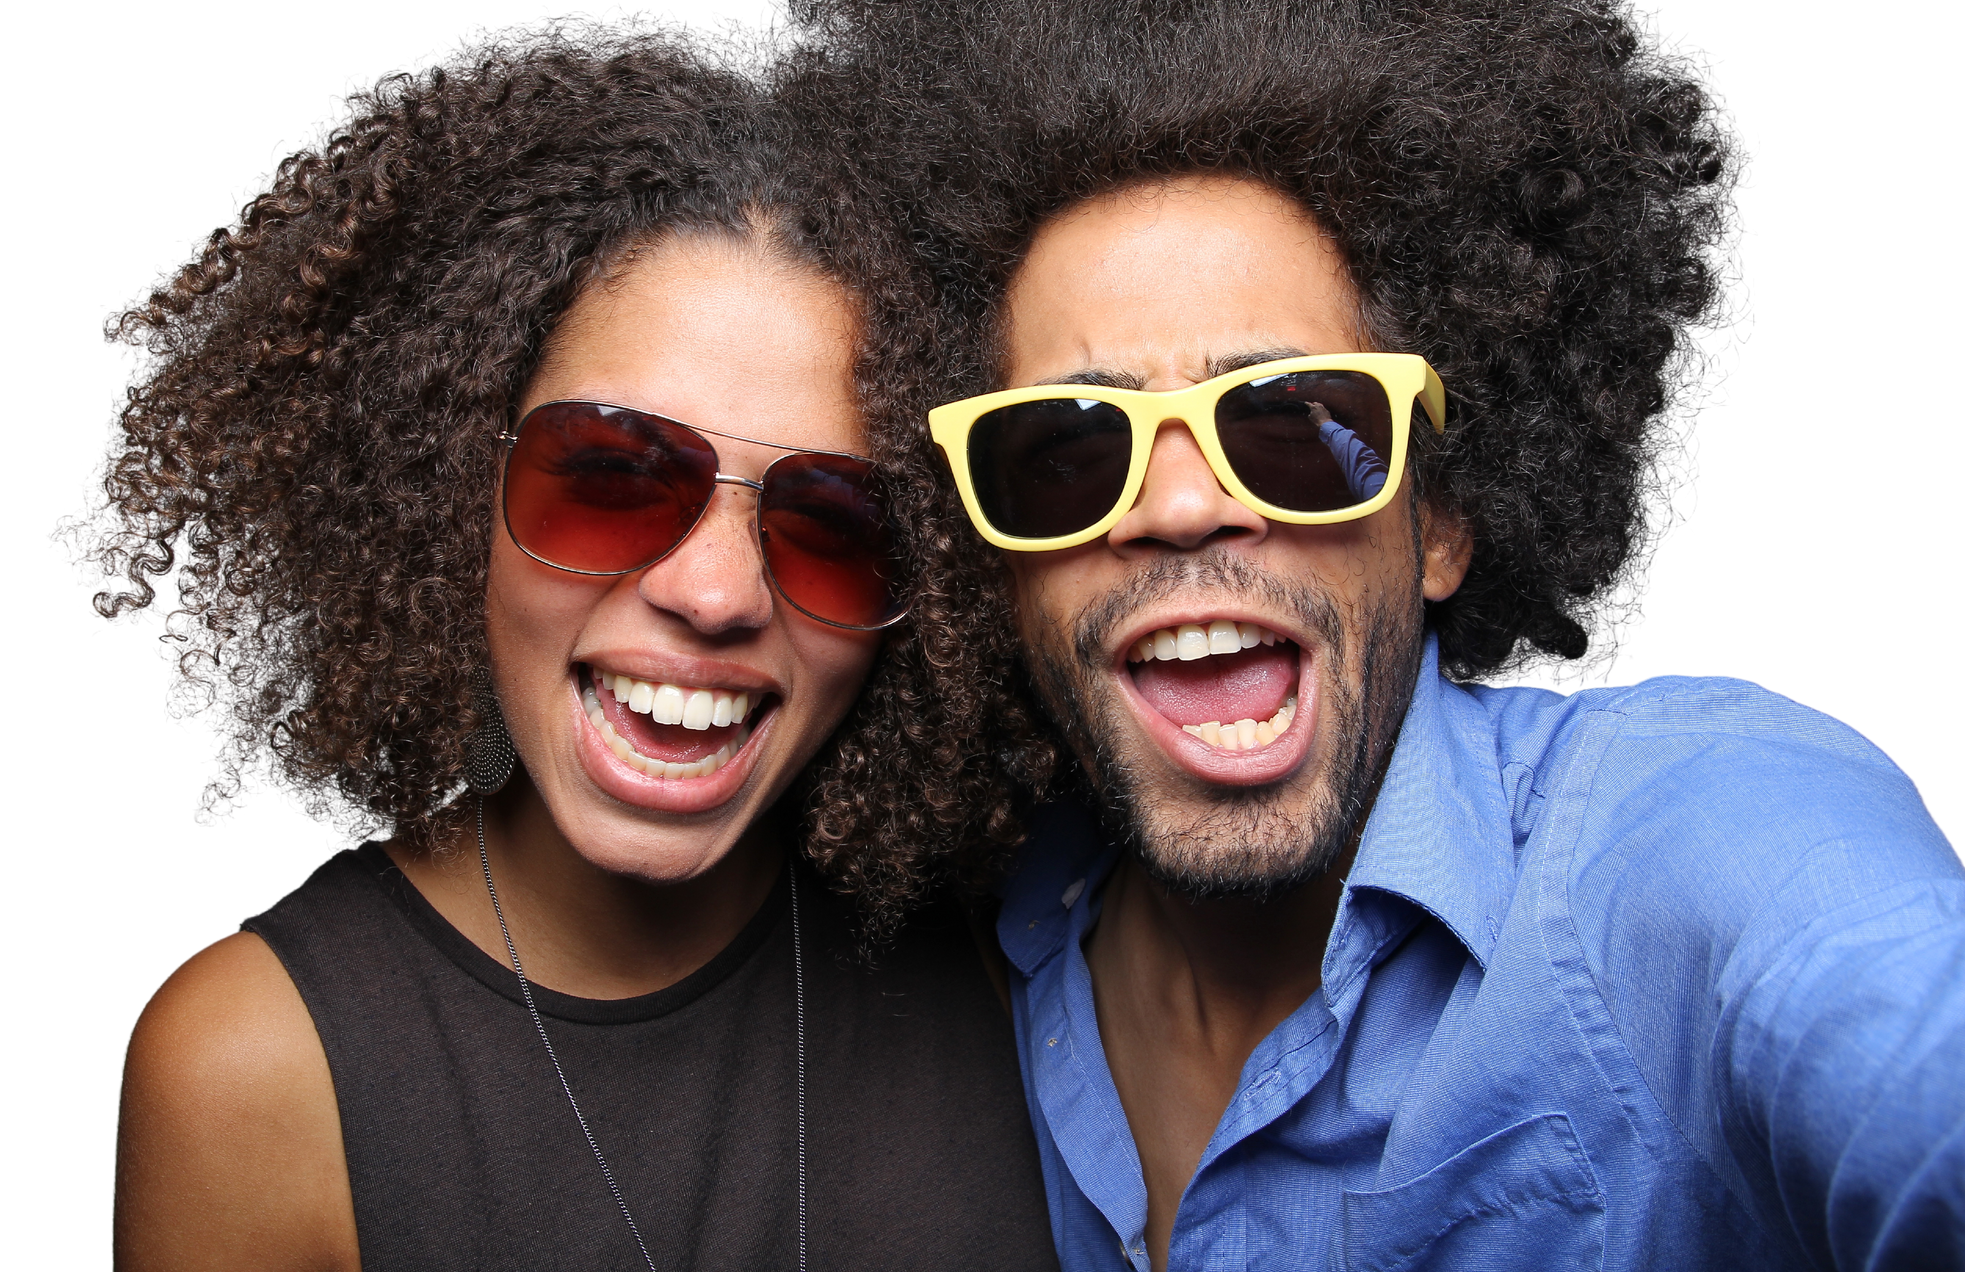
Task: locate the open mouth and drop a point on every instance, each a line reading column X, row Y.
column 1231, row 684
column 666, row 730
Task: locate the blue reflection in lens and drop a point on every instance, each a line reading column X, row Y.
column 1364, row 472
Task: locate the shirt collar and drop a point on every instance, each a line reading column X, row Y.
column 1439, row 837
column 1440, row 834
column 1065, row 856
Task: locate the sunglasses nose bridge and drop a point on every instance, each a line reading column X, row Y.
column 1172, row 415
column 756, row 488
column 1175, row 415
column 1186, row 405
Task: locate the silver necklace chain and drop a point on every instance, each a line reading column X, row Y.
column 539, row 1023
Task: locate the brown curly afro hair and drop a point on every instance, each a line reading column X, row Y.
column 312, row 445
column 1527, row 194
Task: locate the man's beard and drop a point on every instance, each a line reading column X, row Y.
column 1236, row 841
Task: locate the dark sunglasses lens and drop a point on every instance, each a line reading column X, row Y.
column 1309, row 441
column 828, row 541
column 1050, row 467
column 602, row 489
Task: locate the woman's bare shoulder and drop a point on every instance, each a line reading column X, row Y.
column 229, row 1148
column 231, row 1009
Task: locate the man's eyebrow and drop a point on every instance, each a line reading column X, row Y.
column 1221, row 364
column 1102, row 378
column 1227, row 362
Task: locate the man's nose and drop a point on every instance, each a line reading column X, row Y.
column 714, row 580
column 1182, row 505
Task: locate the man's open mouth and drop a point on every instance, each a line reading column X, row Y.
column 1231, row 684
column 667, row 730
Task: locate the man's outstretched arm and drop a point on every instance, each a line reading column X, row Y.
column 1842, row 1085
column 1777, row 928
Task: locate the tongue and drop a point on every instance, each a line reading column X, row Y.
column 668, row 742
column 1225, row 688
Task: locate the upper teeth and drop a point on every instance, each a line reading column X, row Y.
column 648, row 764
column 677, row 704
column 1191, row 640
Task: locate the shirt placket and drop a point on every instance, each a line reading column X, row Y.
column 1101, row 1153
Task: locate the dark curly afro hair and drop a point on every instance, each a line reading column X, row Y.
column 1527, row 194
column 312, row 445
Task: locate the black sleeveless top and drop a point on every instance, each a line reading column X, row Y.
column 463, row 1153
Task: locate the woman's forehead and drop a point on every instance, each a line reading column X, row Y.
column 716, row 331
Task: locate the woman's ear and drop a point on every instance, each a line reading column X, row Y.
column 1448, row 545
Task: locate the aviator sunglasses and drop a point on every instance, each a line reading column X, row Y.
column 597, row 489
column 1307, row 441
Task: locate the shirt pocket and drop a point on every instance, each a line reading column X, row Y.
column 1523, row 1198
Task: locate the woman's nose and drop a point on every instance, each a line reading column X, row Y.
column 714, row 580
column 1182, row 505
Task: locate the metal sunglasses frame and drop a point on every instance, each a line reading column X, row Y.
column 511, row 440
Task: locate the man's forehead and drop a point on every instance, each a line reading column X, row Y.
column 1174, row 283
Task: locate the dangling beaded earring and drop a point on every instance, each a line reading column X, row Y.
column 489, row 757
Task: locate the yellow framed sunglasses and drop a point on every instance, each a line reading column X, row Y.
column 1305, row 441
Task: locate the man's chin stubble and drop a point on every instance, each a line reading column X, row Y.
column 1210, row 842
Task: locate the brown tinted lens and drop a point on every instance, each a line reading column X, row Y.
column 1308, row 441
column 1051, row 467
column 827, row 539
column 603, row 489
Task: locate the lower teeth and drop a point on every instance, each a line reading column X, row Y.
column 659, row 768
column 1245, row 735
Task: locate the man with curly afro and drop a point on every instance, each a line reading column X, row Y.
column 1298, row 362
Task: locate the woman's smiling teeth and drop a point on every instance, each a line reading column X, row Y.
column 1190, row 641
column 694, row 709
column 674, row 704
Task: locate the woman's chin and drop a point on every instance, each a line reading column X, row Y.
column 660, row 859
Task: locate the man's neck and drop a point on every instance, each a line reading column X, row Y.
column 1231, row 968
column 1185, row 991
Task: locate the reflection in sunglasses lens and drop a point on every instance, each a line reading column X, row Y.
column 1309, row 441
column 828, row 541
column 603, row 489
column 1050, row 467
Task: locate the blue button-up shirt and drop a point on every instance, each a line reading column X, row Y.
column 1670, row 976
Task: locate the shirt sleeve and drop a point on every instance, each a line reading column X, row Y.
column 1778, row 929
column 1841, row 1061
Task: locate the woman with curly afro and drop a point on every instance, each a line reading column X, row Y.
column 511, row 461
